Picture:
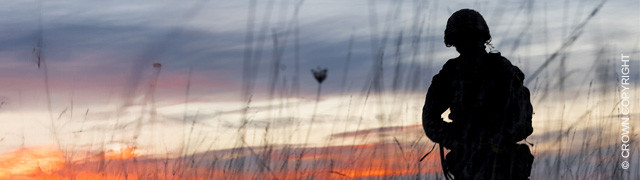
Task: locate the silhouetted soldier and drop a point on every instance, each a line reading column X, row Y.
column 490, row 107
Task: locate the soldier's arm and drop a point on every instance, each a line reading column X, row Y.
column 439, row 97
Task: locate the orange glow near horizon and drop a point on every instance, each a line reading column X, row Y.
column 31, row 162
column 333, row 162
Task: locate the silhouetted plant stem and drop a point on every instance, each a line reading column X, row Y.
column 320, row 74
column 315, row 109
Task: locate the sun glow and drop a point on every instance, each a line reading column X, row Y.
column 121, row 152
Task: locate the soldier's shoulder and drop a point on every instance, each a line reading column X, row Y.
column 452, row 64
column 499, row 60
column 505, row 64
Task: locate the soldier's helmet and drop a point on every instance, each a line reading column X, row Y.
column 466, row 25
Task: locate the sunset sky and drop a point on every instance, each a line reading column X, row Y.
column 95, row 87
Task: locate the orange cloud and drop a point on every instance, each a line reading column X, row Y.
column 31, row 162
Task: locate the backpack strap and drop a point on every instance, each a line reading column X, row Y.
column 445, row 169
column 434, row 146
